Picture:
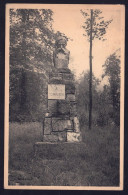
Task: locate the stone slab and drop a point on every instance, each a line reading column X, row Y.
column 55, row 80
column 63, row 107
column 62, row 136
column 55, row 137
column 56, row 91
column 73, row 137
column 61, row 125
column 69, row 82
column 68, row 76
column 63, row 70
column 52, row 106
column 76, row 124
column 60, row 150
column 73, row 110
column 47, row 126
column 70, row 88
column 55, row 75
column 70, row 97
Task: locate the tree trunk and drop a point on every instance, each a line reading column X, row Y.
column 90, row 79
column 23, row 73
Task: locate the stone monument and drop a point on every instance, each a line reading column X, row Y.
column 61, row 123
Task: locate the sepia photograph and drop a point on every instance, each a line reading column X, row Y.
column 64, row 96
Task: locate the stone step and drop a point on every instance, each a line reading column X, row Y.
column 63, row 136
column 55, row 137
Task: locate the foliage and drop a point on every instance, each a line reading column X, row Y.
column 31, row 47
column 98, row 24
column 31, row 37
column 83, row 96
column 112, row 72
column 105, row 111
column 104, row 108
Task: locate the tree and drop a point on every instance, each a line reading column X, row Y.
column 112, row 72
column 31, row 47
column 31, row 35
column 83, row 95
column 104, row 109
column 95, row 28
column 31, row 54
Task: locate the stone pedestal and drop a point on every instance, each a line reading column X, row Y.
column 61, row 123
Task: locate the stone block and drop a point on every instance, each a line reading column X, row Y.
column 48, row 114
column 70, row 88
column 62, row 136
column 64, row 117
column 61, row 60
column 56, row 75
column 55, row 80
column 55, row 137
column 73, row 137
column 63, row 70
column 68, row 76
column 76, row 124
column 63, row 107
column 68, row 82
column 73, row 110
column 70, row 97
column 47, row 126
column 52, row 106
column 60, row 125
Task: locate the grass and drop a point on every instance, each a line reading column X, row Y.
column 96, row 165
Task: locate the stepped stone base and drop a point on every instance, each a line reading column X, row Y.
column 60, row 150
column 61, row 123
column 64, row 136
column 55, row 137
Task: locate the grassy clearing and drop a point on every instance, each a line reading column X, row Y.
column 97, row 165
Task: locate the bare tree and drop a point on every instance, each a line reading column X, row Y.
column 95, row 28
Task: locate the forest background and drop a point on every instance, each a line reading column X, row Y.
column 32, row 41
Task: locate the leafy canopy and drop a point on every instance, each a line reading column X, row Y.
column 99, row 26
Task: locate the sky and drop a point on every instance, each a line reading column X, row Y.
column 69, row 20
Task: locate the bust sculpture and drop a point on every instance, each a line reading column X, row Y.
column 61, row 54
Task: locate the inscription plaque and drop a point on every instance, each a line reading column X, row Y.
column 56, row 92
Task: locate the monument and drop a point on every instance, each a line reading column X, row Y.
column 61, row 123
